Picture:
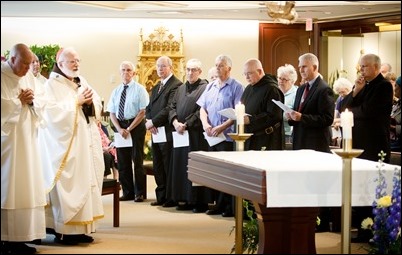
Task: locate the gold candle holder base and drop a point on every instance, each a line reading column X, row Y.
column 347, row 154
column 240, row 138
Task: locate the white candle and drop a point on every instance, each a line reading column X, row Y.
column 347, row 124
column 240, row 110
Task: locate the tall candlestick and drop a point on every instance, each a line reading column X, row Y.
column 347, row 124
column 240, row 110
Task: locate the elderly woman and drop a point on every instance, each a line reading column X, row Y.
column 342, row 87
column 287, row 76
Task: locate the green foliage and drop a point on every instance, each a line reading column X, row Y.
column 47, row 56
column 250, row 230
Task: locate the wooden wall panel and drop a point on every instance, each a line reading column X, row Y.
column 282, row 44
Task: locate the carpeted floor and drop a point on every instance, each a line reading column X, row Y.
column 146, row 229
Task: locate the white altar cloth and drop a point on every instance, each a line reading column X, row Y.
column 307, row 178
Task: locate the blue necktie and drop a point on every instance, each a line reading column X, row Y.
column 122, row 103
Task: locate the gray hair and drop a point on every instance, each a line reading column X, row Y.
column 289, row 70
column 194, row 63
column 311, row 58
column 342, row 83
column 224, row 58
column 129, row 63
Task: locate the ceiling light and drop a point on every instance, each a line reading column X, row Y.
column 282, row 12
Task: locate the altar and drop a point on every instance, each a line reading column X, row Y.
column 286, row 188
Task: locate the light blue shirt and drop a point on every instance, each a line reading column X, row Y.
column 216, row 98
column 137, row 98
column 290, row 96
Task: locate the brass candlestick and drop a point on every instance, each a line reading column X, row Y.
column 240, row 137
column 347, row 154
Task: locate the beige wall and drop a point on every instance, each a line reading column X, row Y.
column 344, row 52
column 104, row 43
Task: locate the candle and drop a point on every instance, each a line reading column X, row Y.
column 347, row 124
column 240, row 110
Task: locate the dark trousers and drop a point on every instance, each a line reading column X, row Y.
column 161, row 155
column 132, row 185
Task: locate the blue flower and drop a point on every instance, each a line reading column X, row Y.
column 387, row 215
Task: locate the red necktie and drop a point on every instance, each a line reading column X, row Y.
column 305, row 93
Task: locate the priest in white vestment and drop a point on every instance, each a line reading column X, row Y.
column 72, row 152
column 23, row 196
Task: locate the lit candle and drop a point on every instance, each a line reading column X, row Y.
column 347, row 124
column 240, row 110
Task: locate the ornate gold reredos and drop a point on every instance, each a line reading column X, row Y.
column 159, row 43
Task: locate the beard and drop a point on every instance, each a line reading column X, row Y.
column 70, row 73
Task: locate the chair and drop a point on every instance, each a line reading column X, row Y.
column 148, row 170
column 112, row 186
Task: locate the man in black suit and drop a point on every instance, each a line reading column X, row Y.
column 157, row 113
column 313, row 108
column 312, row 116
column 371, row 104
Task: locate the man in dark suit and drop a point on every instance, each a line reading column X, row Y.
column 313, row 108
column 312, row 116
column 371, row 104
column 157, row 113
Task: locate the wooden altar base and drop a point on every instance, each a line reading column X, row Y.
column 286, row 230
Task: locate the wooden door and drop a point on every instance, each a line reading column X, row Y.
column 282, row 44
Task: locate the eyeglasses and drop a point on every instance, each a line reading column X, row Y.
column 75, row 61
column 283, row 79
column 192, row 70
column 248, row 73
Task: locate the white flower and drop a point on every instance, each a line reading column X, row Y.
column 367, row 223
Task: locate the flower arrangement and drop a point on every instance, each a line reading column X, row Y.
column 387, row 215
column 148, row 149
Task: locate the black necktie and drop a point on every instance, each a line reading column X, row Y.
column 304, row 96
column 122, row 103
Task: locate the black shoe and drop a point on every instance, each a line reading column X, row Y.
column 84, row 238
column 227, row 214
column 200, row 208
column 156, row 203
column 16, row 248
column 169, row 204
column 184, row 207
column 213, row 212
column 36, row 241
column 65, row 239
column 126, row 198
column 139, row 198
column 50, row 231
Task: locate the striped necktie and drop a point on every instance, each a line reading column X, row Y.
column 122, row 103
column 160, row 87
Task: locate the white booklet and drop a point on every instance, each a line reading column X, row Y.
column 180, row 140
column 120, row 142
column 228, row 113
column 214, row 140
column 281, row 105
column 160, row 137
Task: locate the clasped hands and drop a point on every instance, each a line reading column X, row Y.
column 180, row 127
column 213, row 131
column 85, row 97
column 26, row 96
